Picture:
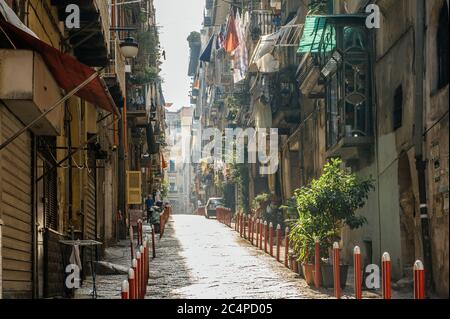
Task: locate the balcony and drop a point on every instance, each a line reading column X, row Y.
column 344, row 61
column 115, row 73
column 91, row 40
column 28, row 89
column 263, row 22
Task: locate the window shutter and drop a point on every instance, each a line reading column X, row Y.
column 134, row 188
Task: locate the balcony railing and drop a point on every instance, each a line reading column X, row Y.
column 344, row 55
column 264, row 22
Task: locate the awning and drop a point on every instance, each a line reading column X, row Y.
column 67, row 71
column 313, row 31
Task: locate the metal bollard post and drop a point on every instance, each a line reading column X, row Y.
column 146, row 259
column 257, row 232
column 141, row 250
column 286, row 247
column 241, row 221
column 357, row 272
column 132, row 283
column 317, row 263
column 261, row 226
column 138, row 275
column 125, row 290
column 271, row 239
column 278, row 241
column 386, row 275
column 139, row 232
column 419, row 280
column 245, row 226
column 266, row 231
column 131, row 242
column 153, row 242
column 134, row 265
column 336, row 270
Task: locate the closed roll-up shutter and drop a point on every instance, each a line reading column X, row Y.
column 90, row 222
column 16, row 208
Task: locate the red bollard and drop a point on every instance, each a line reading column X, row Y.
column 419, row 280
column 139, row 230
column 132, row 283
column 250, row 229
column 357, row 272
column 153, row 242
column 241, row 220
column 261, row 226
column 138, row 274
column 236, row 222
column 336, row 270
column 131, row 242
column 278, row 241
column 134, row 265
column 141, row 250
column 256, row 232
column 317, row 263
column 271, row 239
column 286, row 247
column 245, row 226
column 266, row 235
column 386, row 275
column 147, row 259
column 125, row 290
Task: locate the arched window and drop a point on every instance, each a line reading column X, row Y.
column 442, row 47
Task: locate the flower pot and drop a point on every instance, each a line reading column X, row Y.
column 308, row 273
column 327, row 275
column 294, row 264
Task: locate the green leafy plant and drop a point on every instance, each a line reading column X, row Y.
column 324, row 207
column 164, row 188
column 260, row 200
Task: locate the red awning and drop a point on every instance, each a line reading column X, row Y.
column 67, row 71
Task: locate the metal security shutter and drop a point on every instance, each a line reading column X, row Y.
column 47, row 149
column 16, row 209
column 91, row 202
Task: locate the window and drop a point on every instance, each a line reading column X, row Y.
column 345, row 66
column 442, row 47
column 398, row 107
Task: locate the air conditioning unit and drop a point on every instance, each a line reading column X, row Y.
column 28, row 89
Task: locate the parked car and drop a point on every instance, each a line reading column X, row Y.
column 211, row 206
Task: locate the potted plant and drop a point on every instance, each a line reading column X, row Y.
column 260, row 203
column 327, row 205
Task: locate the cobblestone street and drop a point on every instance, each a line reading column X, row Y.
column 201, row 258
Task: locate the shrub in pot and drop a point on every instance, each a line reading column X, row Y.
column 324, row 207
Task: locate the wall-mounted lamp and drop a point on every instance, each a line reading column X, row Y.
column 332, row 65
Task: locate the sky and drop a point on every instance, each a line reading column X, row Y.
column 177, row 19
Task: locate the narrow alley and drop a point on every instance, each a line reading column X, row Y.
column 199, row 258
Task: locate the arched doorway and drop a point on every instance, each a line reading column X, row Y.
column 407, row 214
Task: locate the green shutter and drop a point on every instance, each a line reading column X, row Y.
column 313, row 32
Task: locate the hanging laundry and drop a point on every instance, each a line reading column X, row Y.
column 206, row 54
column 231, row 40
column 240, row 60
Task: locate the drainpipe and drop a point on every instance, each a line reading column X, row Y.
column 418, row 138
column 1, row 258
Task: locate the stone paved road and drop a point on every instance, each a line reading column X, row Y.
column 200, row 258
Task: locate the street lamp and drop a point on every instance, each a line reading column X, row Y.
column 129, row 47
